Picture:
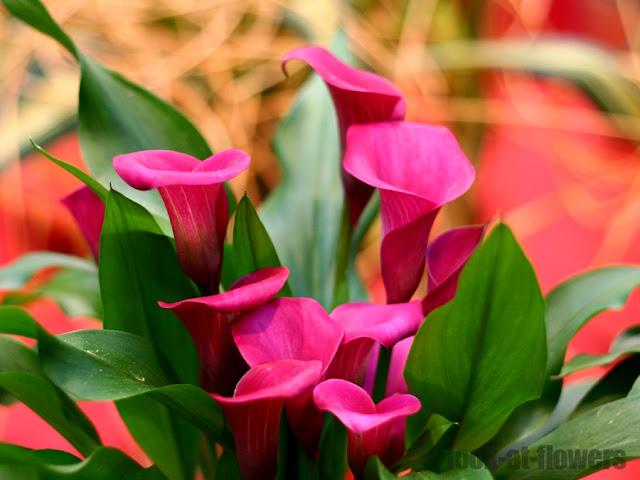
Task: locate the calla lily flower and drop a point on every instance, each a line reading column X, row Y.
column 207, row 320
column 418, row 168
column 291, row 328
column 366, row 323
column 359, row 97
column 88, row 210
column 196, row 202
column 446, row 256
column 255, row 409
column 368, row 425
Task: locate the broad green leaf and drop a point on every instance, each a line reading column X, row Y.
column 252, row 247
column 115, row 116
column 112, row 365
column 459, row 465
column 166, row 439
column 24, row 380
column 17, row 321
column 105, row 365
column 89, row 181
column 19, row 272
column 101, row 364
column 616, row 384
column 477, row 358
column 302, row 215
column 105, row 463
column 569, row 306
column 626, row 343
column 139, row 267
column 52, row 406
column 16, row 356
column 437, row 436
column 609, row 431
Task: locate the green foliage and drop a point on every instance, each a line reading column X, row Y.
column 485, row 333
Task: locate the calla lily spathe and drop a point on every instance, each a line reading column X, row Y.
column 417, row 168
column 196, row 201
column 358, row 97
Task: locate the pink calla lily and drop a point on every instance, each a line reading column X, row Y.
column 418, row 168
column 255, row 409
column 446, row 256
column 294, row 328
column 291, row 328
column 196, row 201
column 368, row 425
column 367, row 323
column 359, row 97
column 88, row 210
column 207, row 320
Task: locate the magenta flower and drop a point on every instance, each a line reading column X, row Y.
column 446, row 256
column 207, row 320
column 368, row 425
column 418, row 168
column 88, row 210
column 359, row 97
column 365, row 324
column 255, row 409
column 297, row 329
column 196, row 202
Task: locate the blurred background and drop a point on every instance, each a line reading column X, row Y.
column 543, row 96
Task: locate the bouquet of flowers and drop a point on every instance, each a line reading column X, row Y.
column 253, row 352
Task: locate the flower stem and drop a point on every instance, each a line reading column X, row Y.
column 382, row 373
column 340, row 286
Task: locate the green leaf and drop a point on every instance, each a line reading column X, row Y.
column 569, row 306
column 16, row 356
column 481, row 355
column 139, row 267
column 115, row 116
column 112, row 365
column 572, row 303
column 101, row 364
column 614, row 385
column 17, row 321
column 303, row 213
column 89, row 181
column 35, row 14
column 228, row 468
column 52, row 406
column 77, row 292
column 332, row 459
column 105, row 463
column 252, row 247
column 626, row 343
column 609, row 431
column 436, row 437
column 459, row 465
column 18, row 273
